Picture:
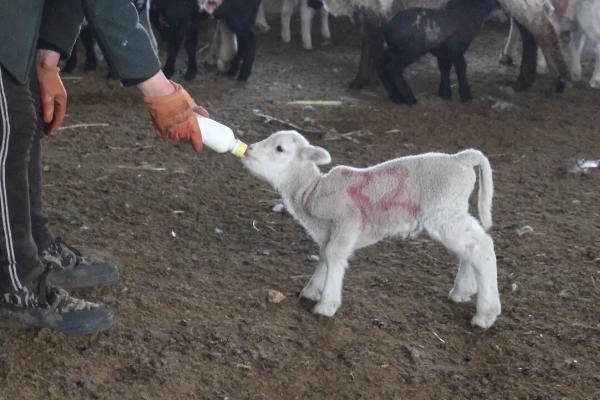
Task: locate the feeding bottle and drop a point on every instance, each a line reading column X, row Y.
column 220, row 138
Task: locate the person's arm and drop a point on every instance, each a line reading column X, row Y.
column 128, row 50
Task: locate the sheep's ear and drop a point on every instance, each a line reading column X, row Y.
column 316, row 154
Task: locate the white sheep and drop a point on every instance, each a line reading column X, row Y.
column 350, row 208
column 306, row 15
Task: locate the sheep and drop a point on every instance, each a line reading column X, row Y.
column 349, row 208
column 307, row 12
column 581, row 19
column 447, row 33
column 535, row 25
column 240, row 17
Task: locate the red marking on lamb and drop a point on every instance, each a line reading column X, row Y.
column 394, row 199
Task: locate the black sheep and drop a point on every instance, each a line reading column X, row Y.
column 239, row 15
column 446, row 33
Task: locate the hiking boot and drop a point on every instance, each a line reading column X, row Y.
column 45, row 306
column 68, row 268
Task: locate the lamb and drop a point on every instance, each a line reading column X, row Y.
column 307, row 11
column 581, row 19
column 349, row 208
column 240, row 16
column 447, row 33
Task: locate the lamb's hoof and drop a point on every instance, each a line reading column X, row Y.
column 466, row 98
column 446, row 94
column 311, row 293
column 262, row 28
column 595, row 83
column 286, row 39
column 505, row 59
column 484, row 321
column 576, row 76
column 460, row 297
column 307, row 46
column 327, row 308
column 523, row 84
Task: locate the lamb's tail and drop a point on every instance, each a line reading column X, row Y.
column 486, row 184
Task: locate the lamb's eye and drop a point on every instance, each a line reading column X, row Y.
column 279, row 149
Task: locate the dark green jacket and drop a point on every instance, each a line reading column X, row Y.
column 56, row 23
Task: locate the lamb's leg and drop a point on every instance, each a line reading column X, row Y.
column 248, row 54
column 576, row 44
column 324, row 17
column 445, row 65
column 314, row 287
column 226, row 46
column 463, row 235
column 386, row 79
column 465, row 284
column 547, row 38
column 528, row 72
column 508, row 54
column 337, row 251
column 306, row 16
column 460, row 66
column 396, row 68
column 286, row 19
column 191, row 45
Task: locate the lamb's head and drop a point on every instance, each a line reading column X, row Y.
column 209, row 5
column 282, row 156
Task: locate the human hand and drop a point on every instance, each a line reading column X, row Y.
column 53, row 95
column 174, row 116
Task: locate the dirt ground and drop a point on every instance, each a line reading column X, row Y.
column 198, row 244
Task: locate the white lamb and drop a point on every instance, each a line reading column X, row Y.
column 306, row 15
column 349, row 208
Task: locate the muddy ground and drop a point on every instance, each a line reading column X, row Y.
column 198, row 245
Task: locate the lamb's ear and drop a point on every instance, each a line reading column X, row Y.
column 316, row 154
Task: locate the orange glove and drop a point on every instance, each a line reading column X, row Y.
column 174, row 116
column 53, row 96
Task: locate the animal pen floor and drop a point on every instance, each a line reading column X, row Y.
column 198, row 245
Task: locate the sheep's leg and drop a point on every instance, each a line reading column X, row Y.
column 508, row 54
column 191, row 45
column 71, row 63
column 547, row 38
column 87, row 38
column 372, row 46
column 306, row 16
column 445, row 66
column 337, row 251
column 386, row 79
column 237, row 59
column 248, row 54
column 595, row 81
column 261, row 19
column 314, row 287
column 460, row 66
column 324, row 19
column 176, row 34
column 463, row 235
column 286, row 19
column 576, row 44
column 465, row 284
column 528, row 72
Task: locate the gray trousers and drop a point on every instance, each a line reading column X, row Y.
column 23, row 222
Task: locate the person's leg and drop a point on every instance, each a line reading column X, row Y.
column 26, row 300
column 68, row 268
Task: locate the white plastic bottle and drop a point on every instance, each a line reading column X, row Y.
column 220, row 138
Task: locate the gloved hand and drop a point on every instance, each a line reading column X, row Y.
column 53, row 96
column 174, row 116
